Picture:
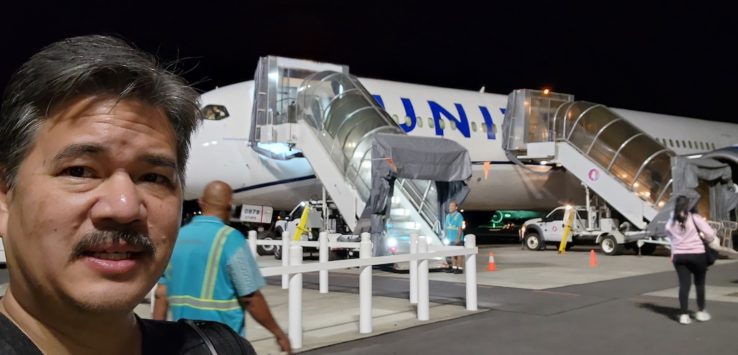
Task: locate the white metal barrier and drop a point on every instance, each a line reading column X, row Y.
column 292, row 269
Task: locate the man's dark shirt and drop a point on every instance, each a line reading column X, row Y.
column 158, row 337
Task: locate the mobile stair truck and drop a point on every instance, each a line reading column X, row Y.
column 381, row 180
column 632, row 172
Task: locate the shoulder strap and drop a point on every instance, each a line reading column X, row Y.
column 219, row 338
column 199, row 332
column 699, row 232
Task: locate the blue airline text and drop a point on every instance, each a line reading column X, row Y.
column 459, row 118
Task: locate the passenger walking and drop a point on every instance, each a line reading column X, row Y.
column 688, row 255
column 212, row 274
column 453, row 227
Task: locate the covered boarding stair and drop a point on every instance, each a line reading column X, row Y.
column 361, row 156
column 631, row 171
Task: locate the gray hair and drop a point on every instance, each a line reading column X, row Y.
column 84, row 66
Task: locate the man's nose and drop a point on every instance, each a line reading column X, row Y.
column 119, row 202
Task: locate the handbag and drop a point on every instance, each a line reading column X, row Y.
column 711, row 255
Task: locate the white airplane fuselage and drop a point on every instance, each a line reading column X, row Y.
column 220, row 148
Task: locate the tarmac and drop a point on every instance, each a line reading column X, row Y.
column 525, row 286
column 332, row 318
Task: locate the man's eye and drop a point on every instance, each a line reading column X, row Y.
column 77, row 171
column 156, row 179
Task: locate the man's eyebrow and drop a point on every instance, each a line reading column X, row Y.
column 160, row 160
column 77, row 150
column 82, row 149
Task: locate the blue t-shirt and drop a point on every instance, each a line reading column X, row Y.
column 211, row 266
column 453, row 225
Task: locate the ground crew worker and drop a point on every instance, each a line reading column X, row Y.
column 452, row 226
column 212, row 274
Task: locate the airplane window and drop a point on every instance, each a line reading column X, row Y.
column 702, row 145
column 671, row 142
column 442, row 124
column 494, row 129
column 408, row 121
column 677, row 143
column 430, row 122
column 454, row 125
column 474, row 126
column 690, row 144
column 684, row 145
column 420, row 121
column 713, row 145
column 396, row 119
column 484, row 127
column 214, row 112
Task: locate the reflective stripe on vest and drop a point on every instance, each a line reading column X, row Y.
column 204, row 304
column 211, row 270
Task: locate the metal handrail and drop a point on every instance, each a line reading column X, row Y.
column 645, row 162
column 329, row 106
column 608, row 124
column 663, row 190
column 612, row 161
column 556, row 115
column 573, row 126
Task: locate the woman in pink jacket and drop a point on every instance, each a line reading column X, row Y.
column 688, row 255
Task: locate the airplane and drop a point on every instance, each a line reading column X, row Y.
column 220, row 148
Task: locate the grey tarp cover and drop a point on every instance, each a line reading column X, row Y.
column 422, row 158
column 686, row 175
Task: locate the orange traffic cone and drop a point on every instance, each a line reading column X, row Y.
column 491, row 264
column 592, row 258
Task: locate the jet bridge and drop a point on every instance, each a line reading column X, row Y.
column 320, row 112
column 626, row 167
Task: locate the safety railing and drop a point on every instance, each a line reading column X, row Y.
column 425, row 201
column 724, row 231
column 418, row 281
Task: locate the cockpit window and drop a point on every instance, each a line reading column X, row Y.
column 214, row 112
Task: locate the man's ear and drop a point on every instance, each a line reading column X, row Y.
column 4, row 193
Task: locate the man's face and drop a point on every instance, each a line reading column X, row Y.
column 452, row 207
column 96, row 167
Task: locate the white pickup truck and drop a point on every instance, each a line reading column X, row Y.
column 589, row 227
column 313, row 225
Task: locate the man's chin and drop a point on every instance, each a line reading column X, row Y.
column 107, row 297
column 97, row 288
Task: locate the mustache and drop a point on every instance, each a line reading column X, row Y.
column 97, row 239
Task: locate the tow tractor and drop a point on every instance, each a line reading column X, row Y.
column 590, row 225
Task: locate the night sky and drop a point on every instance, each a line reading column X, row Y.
column 672, row 59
